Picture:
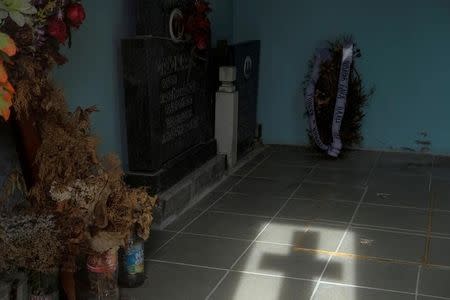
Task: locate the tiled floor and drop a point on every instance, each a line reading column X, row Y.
column 292, row 224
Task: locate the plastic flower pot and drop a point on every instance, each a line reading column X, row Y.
column 44, row 286
column 102, row 274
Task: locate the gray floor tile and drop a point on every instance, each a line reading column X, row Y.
column 262, row 155
column 441, row 173
column 228, row 183
column 319, row 210
column 435, row 282
column 441, row 161
column 398, row 179
column 411, row 191
column 440, row 189
column 333, row 292
column 351, row 160
column 239, row 286
column 267, row 187
column 421, row 297
column 282, row 260
column 226, row 225
column 357, row 177
column 294, row 158
column 203, row 251
column 308, row 235
column 441, row 222
column 320, row 191
column 405, row 163
column 389, row 180
column 156, row 240
column 245, row 169
column 258, row 204
column 206, row 201
column 439, row 251
column 394, row 217
column 172, row 282
column 373, row 274
column 182, row 220
column 381, row 244
column 278, row 171
column 441, row 167
column 294, row 148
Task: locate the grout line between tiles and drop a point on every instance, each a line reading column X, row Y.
column 419, row 272
column 366, row 183
column 384, row 229
column 339, row 245
column 366, row 288
column 224, row 212
column 389, row 229
column 438, row 235
column 185, row 264
column 347, row 229
column 347, row 201
column 434, row 297
column 259, row 234
column 350, row 224
column 210, row 206
column 431, row 175
column 319, row 251
column 293, row 278
column 426, row 256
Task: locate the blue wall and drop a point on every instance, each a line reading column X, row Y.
column 93, row 74
column 222, row 20
column 406, row 55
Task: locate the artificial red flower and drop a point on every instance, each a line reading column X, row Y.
column 201, row 41
column 57, row 29
column 75, row 14
column 202, row 7
column 201, row 23
column 197, row 23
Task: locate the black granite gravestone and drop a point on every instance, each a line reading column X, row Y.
column 168, row 109
column 153, row 16
column 246, row 56
column 168, row 106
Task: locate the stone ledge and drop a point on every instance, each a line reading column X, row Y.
column 189, row 190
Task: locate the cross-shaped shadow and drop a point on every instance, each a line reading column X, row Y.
column 305, row 246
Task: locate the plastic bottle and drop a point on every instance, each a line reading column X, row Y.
column 132, row 271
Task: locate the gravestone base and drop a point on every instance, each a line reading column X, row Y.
column 189, row 190
column 174, row 170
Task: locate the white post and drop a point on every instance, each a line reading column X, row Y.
column 227, row 101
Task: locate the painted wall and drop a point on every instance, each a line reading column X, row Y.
column 222, row 20
column 9, row 162
column 93, row 74
column 405, row 49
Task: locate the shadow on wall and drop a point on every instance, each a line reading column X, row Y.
column 93, row 75
column 9, row 161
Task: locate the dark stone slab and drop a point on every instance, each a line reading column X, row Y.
column 153, row 16
column 246, row 57
column 174, row 170
column 169, row 108
column 189, row 190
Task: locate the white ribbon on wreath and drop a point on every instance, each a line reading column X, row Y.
column 321, row 56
